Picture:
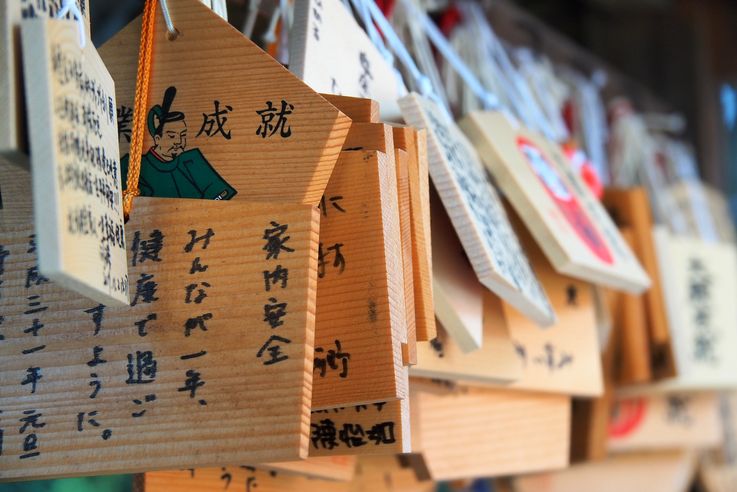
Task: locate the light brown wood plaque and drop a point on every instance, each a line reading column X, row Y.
column 332, row 53
column 476, row 211
column 234, row 107
column 567, row 221
column 210, row 365
column 339, row 467
column 78, row 210
column 665, row 421
column 483, row 433
column 360, row 325
column 13, row 143
column 414, row 142
column 495, row 362
column 631, row 208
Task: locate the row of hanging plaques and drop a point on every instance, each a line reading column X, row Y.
column 279, row 278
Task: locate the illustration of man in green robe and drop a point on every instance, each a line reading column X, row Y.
column 168, row 169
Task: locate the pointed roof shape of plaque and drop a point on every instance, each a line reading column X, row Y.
column 268, row 135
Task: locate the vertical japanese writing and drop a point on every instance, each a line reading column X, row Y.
column 142, row 365
column 195, row 292
column 700, row 302
column 276, row 280
column 89, row 167
column 316, row 19
column 33, row 316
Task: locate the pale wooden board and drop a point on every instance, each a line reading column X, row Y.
column 631, row 207
column 551, row 208
column 362, row 306
column 376, row 428
column 483, row 433
column 377, row 136
column 332, row 54
column 476, row 211
column 373, row 474
column 358, row 109
column 496, row 360
column 78, row 208
column 630, row 324
column 266, row 407
column 15, row 190
column 339, row 468
column 704, row 355
column 564, row 358
column 211, row 61
column 414, row 142
column 13, row 143
column 457, row 294
column 670, row 421
column 241, row 478
column 402, row 167
column 669, row 471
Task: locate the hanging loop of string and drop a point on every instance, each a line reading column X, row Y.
column 173, row 32
column 423, row 84
column 143, row 79
column 70, row 7
column 489, row 100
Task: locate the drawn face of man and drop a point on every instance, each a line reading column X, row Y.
column 172, row 141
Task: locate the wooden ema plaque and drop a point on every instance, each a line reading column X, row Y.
column 331, row 53
column 372, row 474
column 210, row 364
column 495, row 362
column 698, row 280
column 78, row 211
column 490, row 433
column 457, row 292
column 664, row 471
column 414, row 142
column 564, row 358
column 361, row 323
column 229, row 118
column 375, row 428
column 13, row 138
column 567, row 221
column 631, row 208
column 665, row 421
column 339, row 468
column 476, row 211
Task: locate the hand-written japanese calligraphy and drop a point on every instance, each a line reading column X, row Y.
column 269, row 127
column 214, row 123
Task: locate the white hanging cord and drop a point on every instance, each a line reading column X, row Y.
column 421, row 82
column 489, row 100
column 269, row 36
column 70, row 7
column 173, row 33
column 282, row 50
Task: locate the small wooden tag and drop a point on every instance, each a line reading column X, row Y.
column 214, row 353
column 78, row 209
column 666, row 421
column 331, row 53
column 699, row 281
column 414, row 142
column 340, row 468
column 376, row 428
column 495, row 362
column 13, row 138
column 231, row 120
column 361, row 323
column 476, row 212
column 567, row 221
column 631, row 208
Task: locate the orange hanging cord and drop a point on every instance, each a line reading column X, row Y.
column 143, row 79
